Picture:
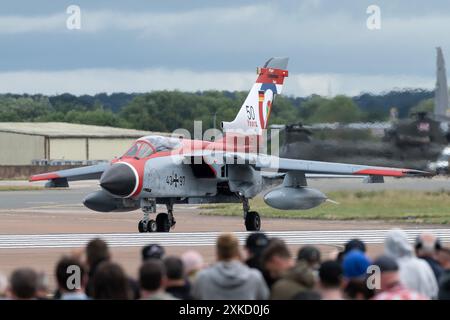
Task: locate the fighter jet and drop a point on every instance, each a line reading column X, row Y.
column 175, row 170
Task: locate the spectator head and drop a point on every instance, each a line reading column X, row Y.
column 227, row 247
column 97, row 251
column 276, row 258
column 23, row 284
column 152, row 276
column 66, row 269
column 256, row 243
column 110, row 282
column 153, row 251
column 355, row 264
column 174, row 268
column 397, row 245
column 3, row 286
column 389, row 272
column 427, row 245
column 310, row 255
column 355, row 244
column 193, row 262
column 330, row 275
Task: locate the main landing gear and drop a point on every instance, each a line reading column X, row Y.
column 164, row 221
column 251, row 218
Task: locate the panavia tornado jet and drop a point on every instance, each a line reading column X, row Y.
column 175, row 170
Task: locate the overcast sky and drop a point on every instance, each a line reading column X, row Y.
column 142, row 45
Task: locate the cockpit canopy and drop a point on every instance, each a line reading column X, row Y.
column 148, row 145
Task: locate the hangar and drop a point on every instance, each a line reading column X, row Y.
column 26, row 143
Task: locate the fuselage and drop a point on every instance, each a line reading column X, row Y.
column 164, row 167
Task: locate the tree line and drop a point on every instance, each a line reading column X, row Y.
column 169, row 110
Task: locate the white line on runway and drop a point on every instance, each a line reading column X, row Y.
column 73, row 240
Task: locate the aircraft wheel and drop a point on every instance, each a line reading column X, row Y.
column 151, row 226
column 162, row 222
column 252, row 221
column 141, row 226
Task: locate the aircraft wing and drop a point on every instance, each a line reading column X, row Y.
column 320, row 168
column 60, row 178
column 333, row 168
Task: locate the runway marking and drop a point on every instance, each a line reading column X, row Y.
column 188, row 239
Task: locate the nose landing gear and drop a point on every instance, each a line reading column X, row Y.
column 164, row 221
column 147, row 226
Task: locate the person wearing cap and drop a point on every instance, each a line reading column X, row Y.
column 427, row 247
column 354, row 266
column 310, row 255
column 152, row 251
column 391, row 287
column 415, row 273
column 229, row 278
column 255, row 244
column 444, row 281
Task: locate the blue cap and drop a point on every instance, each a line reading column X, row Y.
column 355, row 264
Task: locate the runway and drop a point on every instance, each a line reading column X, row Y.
column 189, row 239
column 74, row 195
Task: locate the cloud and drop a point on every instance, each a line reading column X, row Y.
column 92, row 81
column 321, row 37
column 32, row 24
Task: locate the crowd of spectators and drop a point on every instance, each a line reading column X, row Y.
column 264, row 268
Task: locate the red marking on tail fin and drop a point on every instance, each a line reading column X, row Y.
column 269, row 75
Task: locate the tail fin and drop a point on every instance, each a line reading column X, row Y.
column 254, row 114
column 441, row 101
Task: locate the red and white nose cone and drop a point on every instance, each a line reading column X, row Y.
column 120, row 179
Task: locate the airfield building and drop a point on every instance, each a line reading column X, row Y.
column 27, row 143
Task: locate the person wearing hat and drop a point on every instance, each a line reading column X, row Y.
column 310, row 255
column 255, row 245
column 391, row 287
column 354, row 266
column 152, row 251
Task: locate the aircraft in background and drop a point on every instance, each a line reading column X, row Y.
column 411, row 142
column 171, row 170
